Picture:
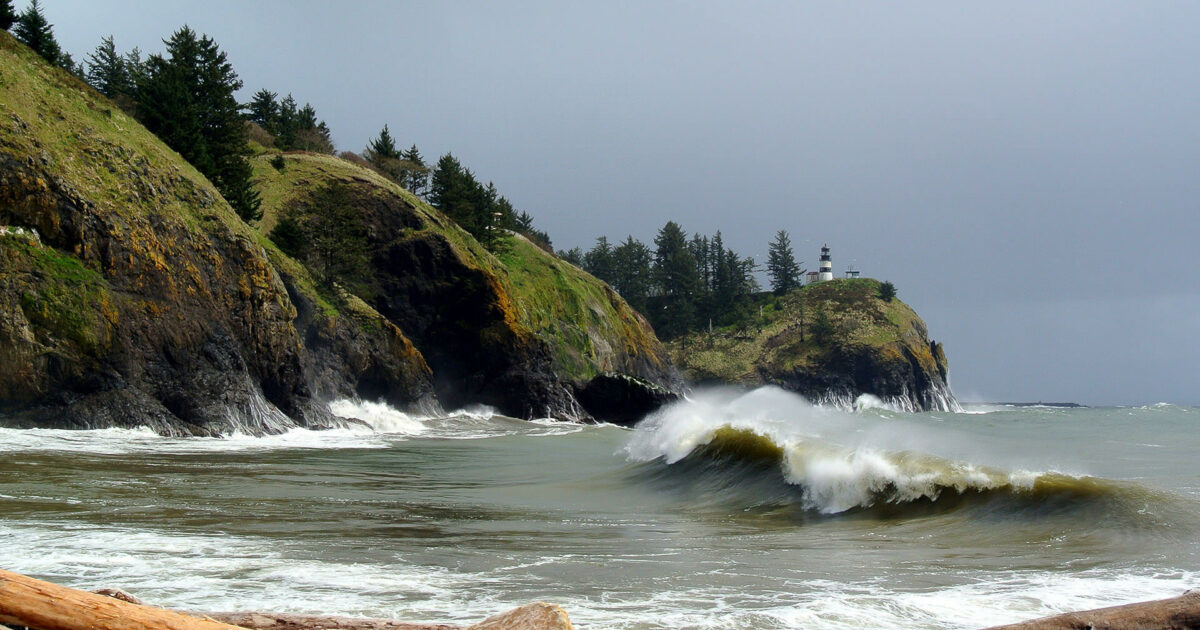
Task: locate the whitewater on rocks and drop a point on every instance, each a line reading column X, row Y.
column 743, row 508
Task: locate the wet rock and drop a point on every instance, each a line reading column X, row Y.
column 622, row 399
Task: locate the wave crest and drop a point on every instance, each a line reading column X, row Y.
column 834, row 461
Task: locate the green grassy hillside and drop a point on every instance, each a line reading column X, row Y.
column 832, row 337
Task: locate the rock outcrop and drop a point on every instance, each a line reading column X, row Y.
column 132, row 295
column 831, row 342
column 517, row 329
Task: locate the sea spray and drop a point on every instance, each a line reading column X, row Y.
column 380, row 417
column 837, row 461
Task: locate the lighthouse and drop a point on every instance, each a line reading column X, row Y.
column 826, row 265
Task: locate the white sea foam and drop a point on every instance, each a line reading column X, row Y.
column 840, row 460
column 118, row 441
column 382, row 417
column 382, row 425
column 219, row 572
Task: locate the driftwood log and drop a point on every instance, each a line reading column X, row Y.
column 39, row 605
column 1176, row 613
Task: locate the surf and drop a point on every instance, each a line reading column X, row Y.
column 772, row 447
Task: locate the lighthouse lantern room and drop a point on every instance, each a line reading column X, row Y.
column 826, row 265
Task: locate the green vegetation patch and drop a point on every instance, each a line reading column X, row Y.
column 798, row 330
column 58, row 295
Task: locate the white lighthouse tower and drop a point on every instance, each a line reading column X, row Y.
column 826, row 265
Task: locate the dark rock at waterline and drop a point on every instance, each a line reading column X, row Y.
column 622, row 399
column 896, row 374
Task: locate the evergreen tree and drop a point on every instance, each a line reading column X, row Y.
column 136, row 68
column 290, row 236
column 781, row 264
column 326, row 233
column 822, row 328
column 573, row 256
column 386, row 158
column 631, row 271
column 286, row 123
column 108, row 71
column 187, row 99
column 677, row 282
column 446, row 175
column 263, row 109
column 701, row 247
column 35, row 31
column 416, row 172
column 887, row 291
column 8, row 15
column 488, row 219
column 724, row 280
column 599, row 260
column 382, row 148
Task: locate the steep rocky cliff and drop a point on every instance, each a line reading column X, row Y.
column 519, row 329
column 831, row 342
column 132, row 295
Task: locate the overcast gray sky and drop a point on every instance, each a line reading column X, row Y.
column 1026, row 173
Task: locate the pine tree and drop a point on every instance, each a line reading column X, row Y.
column 631, row 270
column 382, row 148
column 111, row 74
column 781, row 264
column 263, row 109
column 326, row 233
column 416, row 178
column 287, row 123
column 136, row 67
column 887, row 291
column 598, row 261
column 677, row 282
column 573, row 256
column 8, row 15
column 35, row 31
column 822, row 327
column 701, row 247
column 187, row 99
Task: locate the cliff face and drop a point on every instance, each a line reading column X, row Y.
column 519, row 330
column 831, row 342
column 132, row 295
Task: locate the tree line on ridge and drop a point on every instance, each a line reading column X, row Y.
column 186, row 96
column 687, row 284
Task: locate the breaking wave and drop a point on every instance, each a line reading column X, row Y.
column 772, row 447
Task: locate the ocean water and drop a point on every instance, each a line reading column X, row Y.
column 729, row 510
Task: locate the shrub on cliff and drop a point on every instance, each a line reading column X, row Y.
column 325, row 232
column 887, row 291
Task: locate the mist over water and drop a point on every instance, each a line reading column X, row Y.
column 731, row 509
